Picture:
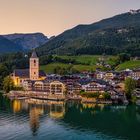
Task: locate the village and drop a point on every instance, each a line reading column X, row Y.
column 96, row 87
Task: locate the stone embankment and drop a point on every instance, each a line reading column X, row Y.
column 41, row 96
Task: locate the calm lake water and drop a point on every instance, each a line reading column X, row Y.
column 47, row 120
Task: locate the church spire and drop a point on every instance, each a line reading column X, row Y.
column 34, row 55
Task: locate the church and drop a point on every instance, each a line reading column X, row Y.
column 19, row 76
column 33, row 79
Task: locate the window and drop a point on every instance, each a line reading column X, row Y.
column 34, row 63
column 34, row 72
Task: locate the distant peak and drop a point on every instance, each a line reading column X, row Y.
column 134, row 11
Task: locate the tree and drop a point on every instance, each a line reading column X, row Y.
column 130, row 85
column 8, row 84
column 106, row 96
column 124, row 57
column 3, row 73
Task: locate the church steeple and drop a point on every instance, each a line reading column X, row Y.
column 34, row 55
column 34, row 66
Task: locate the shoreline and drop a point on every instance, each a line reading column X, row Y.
column 21, row 95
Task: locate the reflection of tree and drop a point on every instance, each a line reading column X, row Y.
column 35, row 112
column 114, row 122
column 4, row 102
column 138, row 113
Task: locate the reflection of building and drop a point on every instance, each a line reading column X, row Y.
column 57, row 109
column 16, row 106
column 34, row 118
column 54, row 108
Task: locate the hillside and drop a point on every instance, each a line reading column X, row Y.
column 51, row 67
column 78, row 63
column 88, row 63
column 7, row 46
column 28, row 41
column 110, row 36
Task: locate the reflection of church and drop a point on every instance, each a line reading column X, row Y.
column 56, row 110
column 33, row 79
column 35, row 113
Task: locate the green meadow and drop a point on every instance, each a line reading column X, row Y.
column 129, row 65
column 88, row 63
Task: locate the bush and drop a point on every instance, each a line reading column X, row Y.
column 90, row 94
column 106, row 96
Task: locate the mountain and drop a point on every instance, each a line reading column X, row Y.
column 28, row 41
column 7, row 46
column 114, row 35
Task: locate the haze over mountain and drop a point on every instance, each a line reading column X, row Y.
column 114, row 35
column 29, row 40
column 7, row 46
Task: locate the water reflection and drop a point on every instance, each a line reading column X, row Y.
column 70, row 120
column 16, row 106
column 35, row 113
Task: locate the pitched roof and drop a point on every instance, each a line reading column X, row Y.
column 34, row 55
column 25, row 73
column 87, row 81
column 42, row 73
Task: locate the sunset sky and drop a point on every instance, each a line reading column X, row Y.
column 52, row 17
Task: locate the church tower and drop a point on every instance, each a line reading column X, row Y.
column 34, row 66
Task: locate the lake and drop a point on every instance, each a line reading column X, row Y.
column 47, row 120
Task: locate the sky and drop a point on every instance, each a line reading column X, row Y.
column 53, row 17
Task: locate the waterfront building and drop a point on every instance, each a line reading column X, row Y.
column 49, row 87
column 57, row 87
column 93, row 85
